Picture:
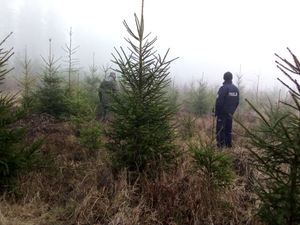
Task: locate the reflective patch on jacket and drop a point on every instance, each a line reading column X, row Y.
column 232, row 94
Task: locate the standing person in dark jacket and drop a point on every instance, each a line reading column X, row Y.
column 107, row 87
column 226, row 104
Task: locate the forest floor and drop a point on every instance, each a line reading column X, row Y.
column 76, row 186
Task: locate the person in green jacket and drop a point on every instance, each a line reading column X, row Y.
column 107, row 87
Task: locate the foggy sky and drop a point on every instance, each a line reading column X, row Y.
column 209, row 37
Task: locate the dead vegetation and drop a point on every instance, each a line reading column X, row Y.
column 75, row 187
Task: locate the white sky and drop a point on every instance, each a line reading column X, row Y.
column 210, row 36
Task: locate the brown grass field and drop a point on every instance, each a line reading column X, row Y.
column 79, row 188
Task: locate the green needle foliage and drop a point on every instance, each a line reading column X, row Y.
column 215, row 169
column 90, row 133
column 141, row 135
column 51, row 96
column 275, row 146
column 15, row 155
column 26, row 82
column 199, row 99
column 215, row 164
column 92, row 83
column 187, row 126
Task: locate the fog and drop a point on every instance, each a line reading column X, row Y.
column 209, row 37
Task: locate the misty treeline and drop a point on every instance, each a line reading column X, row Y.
column 150, row 115
column 196, row 97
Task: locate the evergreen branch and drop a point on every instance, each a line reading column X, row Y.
column 295, row 60
column 146, row 36
column 142, row 22
column 5, row 39
column 285, row 67
column 296, row 98
column 4, row 72
column 134, row 50
column 264, row 167
column 289, row 105
column 130, row 31
column 293, row 68
column 291, row 89
column 138, row 27
column 285, row 131
column 260, row 115
column 293, row 80
column 6, row 56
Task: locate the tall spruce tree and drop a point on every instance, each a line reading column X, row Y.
column 141, row 135
column 275, row 147
column 71, row 61
column 15, row 154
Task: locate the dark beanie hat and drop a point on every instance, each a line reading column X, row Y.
column 227, row 76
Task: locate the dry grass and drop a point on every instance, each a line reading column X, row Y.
column 80, row 188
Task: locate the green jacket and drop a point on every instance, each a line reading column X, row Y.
column 106, row 89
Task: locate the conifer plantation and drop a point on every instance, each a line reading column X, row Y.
column 153, row 160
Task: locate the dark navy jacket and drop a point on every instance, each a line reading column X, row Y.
column 227, row 100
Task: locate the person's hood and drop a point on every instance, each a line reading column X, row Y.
column 109, row 78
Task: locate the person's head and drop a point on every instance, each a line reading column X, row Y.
column 227, row 76
column 112, row 75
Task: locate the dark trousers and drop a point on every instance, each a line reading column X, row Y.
column 224, row 129
column 104, row 111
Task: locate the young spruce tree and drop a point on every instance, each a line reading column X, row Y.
column 141, row 135
column 26, row 83
column 275, row 147
column 51, row 97
column 15, row 154
column 92, row 83
column 199, row 99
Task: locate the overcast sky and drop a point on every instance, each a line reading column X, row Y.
column 210, row 36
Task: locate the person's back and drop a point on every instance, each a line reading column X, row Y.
column 226, row 104
column 106, row 89
column 228, row 99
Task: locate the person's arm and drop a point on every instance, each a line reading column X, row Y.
column 220, row 101
column 238, row 100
